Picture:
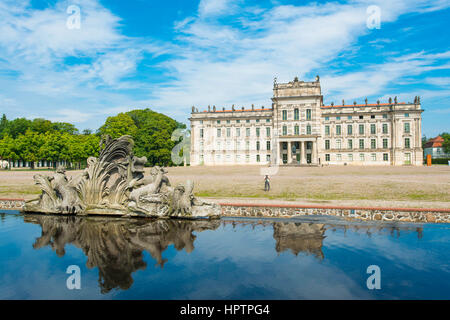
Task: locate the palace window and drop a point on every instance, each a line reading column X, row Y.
column 257, row 145
column 406, row 115
column 218, row 121
column 284, row 113
column 247, row 121
column 384, row 116
column 247, row 158
column 385, row 157
column 257, row 132
column 338, row 118
column 308, row 114
column 407, row 143
column 349, row 129
column 228, row 132
column 327, row 118
column 201, row 133
column 338, row 130
column 238, row 145
column 238, row 132
column 338, row 144
column 327, row 157
column 296, row 130
column 268, row 131
column 407, row 127
column 361, row 143
column 350, row 144
column 327, row 130
column 349, row 117
column 385, row 143
column 372, row 116
column 373, row 143
column 268, row 158
column 374, row 156
column 257, row 120
column 247, row 145
column 257, row 158
column 361, row 156
column 308, row 129
column 385, row 128
column 219, row 132
column 268, row 145
column 228, row 121
column 338, row 157
column 361, row 117
column 296, row 114
column 350, row 157
column 327, row 144
column 238, row 121
column 247, row 132
column 267, row 120
column 372, row 129
column 361, row 129
column 284, row 130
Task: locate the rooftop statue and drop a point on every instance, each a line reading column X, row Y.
column 114, row 184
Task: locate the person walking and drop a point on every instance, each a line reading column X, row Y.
column 266, row 183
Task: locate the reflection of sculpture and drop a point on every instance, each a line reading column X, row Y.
column 116, row 246
column 114, row 184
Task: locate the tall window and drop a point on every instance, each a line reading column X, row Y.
column 374, row 156
column 201, row 133
column 350, row 144
column 385, row 128
column 407, row 143
column 327, row 144
column 327, row 157
column 373, row 143
column 268, row 131
column 247, row 145
column 257, row 145
column 296, row 130
column 308, row 114
column 349, row 129
column 228, row 132
column 257, row 132
column 296, row 114
column 361, row 129
column 338, row 144
column 247, row 132
column 308, row 129
column 327, row 130
column 284, row 113
column 284, row 130
column 385, row 143
column 361, row 143
column 407, row 127
column 219, row 132
column 258, row 159
column 338, row 129
column 385, row 157
column 350, row 157
column 268, row 145
column 372, row 129
column 238, row 132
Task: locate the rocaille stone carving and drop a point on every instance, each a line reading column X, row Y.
column 114, row 184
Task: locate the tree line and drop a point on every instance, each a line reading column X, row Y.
column 38, row 140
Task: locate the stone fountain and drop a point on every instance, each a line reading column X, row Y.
column 114, row 184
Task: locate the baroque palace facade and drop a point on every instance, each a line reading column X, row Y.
column 300, row 130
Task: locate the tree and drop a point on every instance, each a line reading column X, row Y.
column 446, row 143
column 119, row 125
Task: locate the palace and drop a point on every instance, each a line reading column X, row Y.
column 300, row 130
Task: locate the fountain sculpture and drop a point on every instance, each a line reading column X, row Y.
column 114, row 184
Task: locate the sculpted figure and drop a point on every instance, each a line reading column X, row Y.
column 151, row 185
column 182, row 198
column 70, row 202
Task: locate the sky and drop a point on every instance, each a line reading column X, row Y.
column 80, row 61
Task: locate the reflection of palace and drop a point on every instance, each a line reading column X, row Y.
column 116, row 246
column 299, row 237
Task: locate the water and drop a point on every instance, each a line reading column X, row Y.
column 315, row 258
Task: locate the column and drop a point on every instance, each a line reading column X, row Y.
column 289, row 152
column 302, row 153
column 314, row 152
column 278, row 144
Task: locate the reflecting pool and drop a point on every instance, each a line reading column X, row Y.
column 301, row 258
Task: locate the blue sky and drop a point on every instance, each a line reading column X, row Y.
column 170, row 55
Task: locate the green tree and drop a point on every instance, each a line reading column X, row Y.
column 119, row 125
column 446, row 143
